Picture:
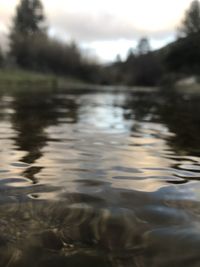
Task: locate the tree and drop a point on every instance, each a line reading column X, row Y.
column 191, row 22
column 29, row 18
column 118, row 58
column 28, row 24
column 143, row 46
column 1, row 57
column 183, row 56
column 130, row 55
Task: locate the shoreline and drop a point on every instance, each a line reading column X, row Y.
column 19, row 80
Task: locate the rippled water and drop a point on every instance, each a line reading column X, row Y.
column 99, row 179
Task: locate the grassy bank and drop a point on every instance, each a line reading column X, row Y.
column 19, row 79
column 22, row 80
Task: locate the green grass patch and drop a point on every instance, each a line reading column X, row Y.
column 21, row 75
column 21, row 79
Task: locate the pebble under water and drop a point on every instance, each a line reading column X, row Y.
column 99, row 179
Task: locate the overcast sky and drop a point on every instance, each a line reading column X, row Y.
column 106, row 27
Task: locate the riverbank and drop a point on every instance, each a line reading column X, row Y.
column 19, row 80
column 16, row 79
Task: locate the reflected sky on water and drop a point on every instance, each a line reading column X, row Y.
column 104, row 179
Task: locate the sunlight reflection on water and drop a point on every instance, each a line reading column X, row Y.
column 104, row 179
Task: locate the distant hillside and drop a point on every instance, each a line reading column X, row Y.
column 177, row 60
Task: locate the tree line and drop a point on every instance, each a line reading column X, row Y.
column 31, row 48
column 176, row 60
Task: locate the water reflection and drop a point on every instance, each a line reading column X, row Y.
column 33, row 113
column 104, row 179
column 178, row 112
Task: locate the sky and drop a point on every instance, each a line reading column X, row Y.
column 105, row 28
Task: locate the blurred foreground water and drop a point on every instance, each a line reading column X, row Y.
column 99, row 179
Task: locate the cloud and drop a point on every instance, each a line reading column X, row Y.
column 105, row 25
column 89, row 28
column 91, row 20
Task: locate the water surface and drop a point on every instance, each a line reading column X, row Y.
column 99, row 179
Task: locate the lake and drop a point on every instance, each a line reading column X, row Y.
column 99, row 179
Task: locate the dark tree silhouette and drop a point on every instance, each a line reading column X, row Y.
column 143, row 46
column 191, row 22
column 130, row 57
column 1, row 57
column 28, row 24
column 118, row 58
column 31, row 48
column 183, row 56
column 29, row 18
